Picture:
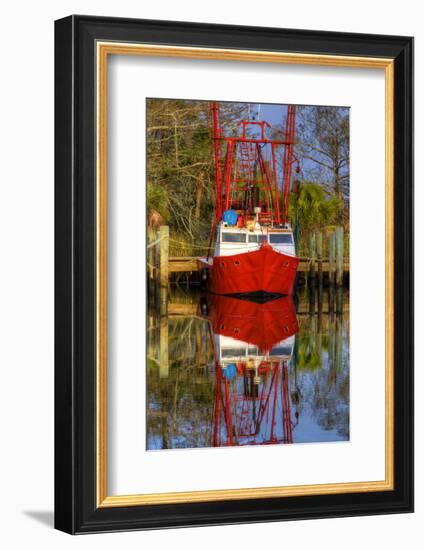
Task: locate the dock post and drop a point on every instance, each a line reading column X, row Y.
column 312, row 257
column 164, row 255
column 339, row 300
column 331, row 258
column 312, row 291
column 331, row 292
column 150, row 252
column 319, row 259
column 151, row 266
column 164, row 268
column 331, row 269
column 319, row 256
column 339, row 256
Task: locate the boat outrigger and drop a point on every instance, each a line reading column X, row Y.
column 254, row 251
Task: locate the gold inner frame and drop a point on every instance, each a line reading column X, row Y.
column 104, row 49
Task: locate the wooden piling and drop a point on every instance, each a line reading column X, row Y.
column 151, row 237
column 312, row 291
column 163, row 268
column 164, row 255
column 312, row 256
column 339, row 255
column 163, row 297
column 318, row 239
column 320, row 298
column 330, row 299
column 331, row 258
column 339, row 300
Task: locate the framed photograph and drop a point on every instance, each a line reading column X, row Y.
column 234, row 274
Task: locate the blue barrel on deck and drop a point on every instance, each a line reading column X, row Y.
column 230, row 371
column 230, row 217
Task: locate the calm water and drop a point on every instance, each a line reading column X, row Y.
column 223, row 371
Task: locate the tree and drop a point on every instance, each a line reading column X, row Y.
column 180, row 175
column 178, row 161
column 323, row 146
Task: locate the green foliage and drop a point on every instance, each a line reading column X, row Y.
column 157, row 199
column 312, row 209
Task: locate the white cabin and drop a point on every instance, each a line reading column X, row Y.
column 232, row 240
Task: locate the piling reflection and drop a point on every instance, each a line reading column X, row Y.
column 223, row 371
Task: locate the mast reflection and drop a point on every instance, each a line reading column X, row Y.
column 252, row 347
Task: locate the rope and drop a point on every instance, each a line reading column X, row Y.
column 185, row 245
column 180, row 243
column 155, row 242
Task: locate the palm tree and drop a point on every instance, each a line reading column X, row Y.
column 310, row 208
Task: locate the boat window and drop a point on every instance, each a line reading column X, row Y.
column 233, row 352
column 281, row 238
column 233, row 237
column 257, row 238
column 282, row 350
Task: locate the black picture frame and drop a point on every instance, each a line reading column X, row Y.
column 75, row 275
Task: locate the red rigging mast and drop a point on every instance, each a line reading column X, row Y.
column 246, row 168
column 255, row 251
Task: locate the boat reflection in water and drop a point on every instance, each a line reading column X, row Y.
column 223, row 371
column 253, row 344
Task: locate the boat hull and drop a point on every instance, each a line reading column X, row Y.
column 263, row 271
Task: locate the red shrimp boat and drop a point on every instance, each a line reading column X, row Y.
column 254, row 250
